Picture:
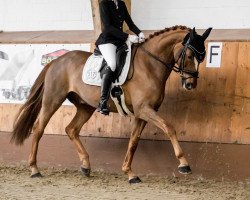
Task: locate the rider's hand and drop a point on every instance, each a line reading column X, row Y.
column 133, row 38
column 141, row 37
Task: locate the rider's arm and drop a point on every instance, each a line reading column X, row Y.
column 130, row 22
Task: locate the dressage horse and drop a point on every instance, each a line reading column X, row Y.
column 178, row 49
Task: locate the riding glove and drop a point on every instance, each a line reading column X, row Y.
column 133, row 38
column 141, row 37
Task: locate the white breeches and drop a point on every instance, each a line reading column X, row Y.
column 109, row 54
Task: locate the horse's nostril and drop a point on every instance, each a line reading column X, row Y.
column 189, row 85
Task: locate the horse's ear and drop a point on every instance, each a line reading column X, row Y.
column 206, row 33
column 192, row 34
column 186, row 39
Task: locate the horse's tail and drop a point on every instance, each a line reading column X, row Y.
column 28, row 113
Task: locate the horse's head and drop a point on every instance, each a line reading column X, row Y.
column 188, row 55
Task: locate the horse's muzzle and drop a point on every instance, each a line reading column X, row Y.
column 189, row 83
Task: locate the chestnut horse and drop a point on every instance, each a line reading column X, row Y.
column 177, row 48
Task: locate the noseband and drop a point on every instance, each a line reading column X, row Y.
column 181, row 69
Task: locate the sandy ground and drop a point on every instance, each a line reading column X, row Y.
column 67, row 184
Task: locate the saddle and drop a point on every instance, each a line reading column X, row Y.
column 121, row 54
column 96, row 66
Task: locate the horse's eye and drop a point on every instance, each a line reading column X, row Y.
column 190, row 57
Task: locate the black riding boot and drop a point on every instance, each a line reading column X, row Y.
column 105, row 91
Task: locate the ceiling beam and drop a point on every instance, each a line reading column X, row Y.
column 96, row 17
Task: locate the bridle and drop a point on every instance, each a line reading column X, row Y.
column 200, row 56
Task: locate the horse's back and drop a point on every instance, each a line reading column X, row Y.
column 71, row 61
column 77, row 55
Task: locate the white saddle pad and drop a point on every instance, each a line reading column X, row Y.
column 91, row 75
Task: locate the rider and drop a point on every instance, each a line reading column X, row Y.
column 113, row 13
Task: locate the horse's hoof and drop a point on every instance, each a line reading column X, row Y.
column 37, row 175
column 185, row 170
column 135, row 180
column 86, row 172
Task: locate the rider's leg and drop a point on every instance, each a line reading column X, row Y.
column 109, row 53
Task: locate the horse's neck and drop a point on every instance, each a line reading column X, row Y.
column 162, row 46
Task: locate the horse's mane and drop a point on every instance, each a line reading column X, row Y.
column 167, row 30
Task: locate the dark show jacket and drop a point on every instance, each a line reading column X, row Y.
column 112, row 20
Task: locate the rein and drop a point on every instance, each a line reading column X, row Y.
column 168, row 65
column 181, row 69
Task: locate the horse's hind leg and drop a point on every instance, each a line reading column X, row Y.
column 49, row 107
column 83, row 113
column 150, row 115
column 138, row 127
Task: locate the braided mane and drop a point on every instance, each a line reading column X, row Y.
column 167, row 30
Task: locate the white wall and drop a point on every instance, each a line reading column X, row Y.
column 157, row 14
column 33, row 15
column 1, row 16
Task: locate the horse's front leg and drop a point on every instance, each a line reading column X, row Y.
column 138, row 127
column 150, row 115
